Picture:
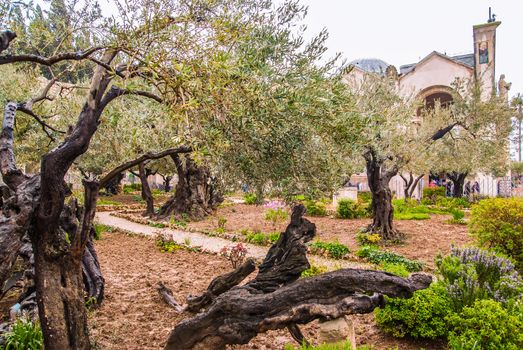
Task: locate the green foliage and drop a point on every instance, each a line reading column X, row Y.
column 335, row 346
column 452, row 203
column 221, row 222
column 486, row 325
column 314, row 270
column 262, row 238
column 349, row 209
column 421, row 316
column 276, row 215
column 178, row 222
column 364, row 238
column 335, row 249
column 457, row 217
column 395, row 269
column 365, row 197
column 472, row 273
column 105, row 201
column 411, row 216
column 169, row 246
column 315, row 208
column 250, row 198
column 410, row 210
column 156, row 224
column 25, row 335
column 432, row 194
column 99, row 229
column 376, row 256
column 130, row 188
column 497, row 223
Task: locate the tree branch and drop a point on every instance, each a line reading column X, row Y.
column 11, row 175
column 115, row 92
column 142, row 158
column 49, row 61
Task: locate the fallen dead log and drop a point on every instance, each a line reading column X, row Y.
column 240, row 314
column 276, row 298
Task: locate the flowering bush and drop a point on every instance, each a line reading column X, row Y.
column 236, row 254
column 473, row 273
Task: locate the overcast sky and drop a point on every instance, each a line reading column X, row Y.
column 404, row 31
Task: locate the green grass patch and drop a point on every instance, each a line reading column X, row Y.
column 25, row 335
column 105, row 201
column 101, row 228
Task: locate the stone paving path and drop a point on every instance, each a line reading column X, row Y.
column 212, row 244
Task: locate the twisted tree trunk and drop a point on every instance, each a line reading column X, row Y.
column 277, row 299
column 383, row 212
column 147, row 196
column 196, row 191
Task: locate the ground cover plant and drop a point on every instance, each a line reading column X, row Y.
column 25, row 335
column 335, row 250
column 377, row 256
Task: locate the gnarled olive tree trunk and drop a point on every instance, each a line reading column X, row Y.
column 147, row 196
column 276, row 298
column 196, row 193
column 378, row 178
column 458, row 179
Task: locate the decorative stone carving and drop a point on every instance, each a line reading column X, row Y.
column 503, row 87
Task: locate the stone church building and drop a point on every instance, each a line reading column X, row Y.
column 431, row 79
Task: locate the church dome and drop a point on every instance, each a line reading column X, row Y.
column 372, row 65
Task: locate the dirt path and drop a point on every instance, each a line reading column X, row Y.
column 208, row 243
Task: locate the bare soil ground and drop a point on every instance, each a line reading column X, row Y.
column 425, row 239
column 133, row 316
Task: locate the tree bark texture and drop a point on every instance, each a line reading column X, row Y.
column 458, row 179
column 196, row 193
column 112, row 187
column 147, row 196
column 410, row 185
column 378, row 178
column 277, row 299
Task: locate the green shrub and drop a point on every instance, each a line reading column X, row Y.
column 422, row 316
column 335, row 249
column 315, row 208
column 349, row 209
column 314, row 270
column 472, row 273
column 105, row 201
column 365, row 197
column 129, row 188
column 364, row 238
column 486, row 325
column 376, row 256
column 250, row 198
column 431, row 194
column 497, row 223
column 262, row 238
column 25, row 335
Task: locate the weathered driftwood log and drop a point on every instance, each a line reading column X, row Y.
column 239, row 315
column 276, row 299
column 196, row 193
column 167, row 295
column 220, row 285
